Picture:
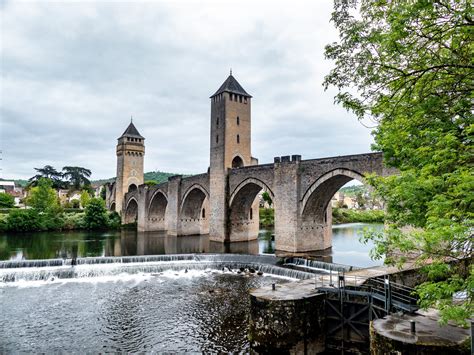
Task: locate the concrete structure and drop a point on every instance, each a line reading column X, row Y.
column 224, row 201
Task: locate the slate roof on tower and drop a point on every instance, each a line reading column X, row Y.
column 132, row 131
column 233, row 86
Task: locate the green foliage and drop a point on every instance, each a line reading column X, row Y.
column 353, row 190
column 43, row 196
column 74, row 221
column 266, row 197
column 6, row 200
column 75, row 203
column 114, row 220
column 344, row 215
column 411, row 64
column 3, row 222
column 151, row 183
column 159, row 176
column 77, row 176
column 24, row 220
column 103, row 193
column 50, row 173
column 267, row 217
column 96, row 214
column 85, row 198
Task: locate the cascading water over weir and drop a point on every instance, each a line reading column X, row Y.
column 36, row 270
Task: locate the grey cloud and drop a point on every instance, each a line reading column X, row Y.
column 73, row 73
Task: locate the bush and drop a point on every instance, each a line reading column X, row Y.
column 52, row 219
column 74, row 221
column 3, row 222
column 267, row 217
column 96, row 214
column 6, row 200
column 24, row 221
column 114, row 220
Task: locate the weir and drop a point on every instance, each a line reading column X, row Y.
column 36, row 270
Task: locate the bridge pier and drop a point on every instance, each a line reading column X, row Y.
column 141, row 216
column 172, row 219
column 286, row 186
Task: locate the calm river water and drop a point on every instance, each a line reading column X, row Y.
column 347, row 249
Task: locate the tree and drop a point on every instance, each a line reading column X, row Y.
column 409, row 66
column 85, row 198
column 266, row 197
column 103, row 193
column 360, row 200
column 6, row 200
column 96, row 214
column 43, row 197
column 20, row 220
column 77, row 176
column 48, row 172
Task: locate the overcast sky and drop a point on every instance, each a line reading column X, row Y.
column 74, row 72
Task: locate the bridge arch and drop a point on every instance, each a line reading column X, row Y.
column 193, row 216
column 244, row 209
column 131, row 211
column 318, row 196
column 315, row 230
column 156, row 211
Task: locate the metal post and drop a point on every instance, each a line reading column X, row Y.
column 472, row 336
column 273, row 287
column 412, row 326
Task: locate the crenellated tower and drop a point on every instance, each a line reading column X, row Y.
column 230, row 147
column 130, row 156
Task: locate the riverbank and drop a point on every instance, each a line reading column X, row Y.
column 339, row 216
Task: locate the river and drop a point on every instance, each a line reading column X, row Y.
column 347, row 248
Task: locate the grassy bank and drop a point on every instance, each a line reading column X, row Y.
column 339, row 215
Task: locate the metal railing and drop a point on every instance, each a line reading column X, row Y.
column 392, row 295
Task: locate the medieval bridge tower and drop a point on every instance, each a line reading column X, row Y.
column 230, row 148
column 130, row 156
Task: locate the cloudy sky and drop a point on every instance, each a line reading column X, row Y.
column 72, row 74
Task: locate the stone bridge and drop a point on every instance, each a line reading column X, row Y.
column 301, row 191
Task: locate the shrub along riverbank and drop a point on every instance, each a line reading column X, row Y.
column 31, row 220
column 45, row 214
column 339, row 216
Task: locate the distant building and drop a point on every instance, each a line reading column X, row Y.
column 17, row 192
column 7, row 186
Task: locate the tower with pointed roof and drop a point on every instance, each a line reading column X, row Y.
column 130, row 156
column 230, row 146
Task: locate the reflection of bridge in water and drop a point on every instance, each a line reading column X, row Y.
column 224, row 202
column 133, row 243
